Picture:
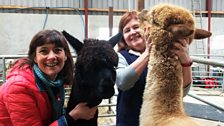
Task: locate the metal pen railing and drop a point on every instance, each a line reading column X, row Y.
column 196, row 78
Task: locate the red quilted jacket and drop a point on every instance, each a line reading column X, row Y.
column 22, row 103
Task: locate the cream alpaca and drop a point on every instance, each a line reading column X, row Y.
column 162, row 100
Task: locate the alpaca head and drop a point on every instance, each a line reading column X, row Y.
column 94, row 69
column 171, row 22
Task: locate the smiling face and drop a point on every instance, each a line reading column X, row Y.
column 132, row 36
column 50, row 59
column 50, row 51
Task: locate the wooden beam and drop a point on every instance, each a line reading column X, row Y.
column 63, row 9
column 82, row 9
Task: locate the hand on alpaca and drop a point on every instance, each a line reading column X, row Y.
column 94, row 76
column 170, row 27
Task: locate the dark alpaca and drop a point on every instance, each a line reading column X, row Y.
column 94, row 74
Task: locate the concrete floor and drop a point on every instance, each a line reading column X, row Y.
column 205, row 114
column 208, row 114
column 205, row 122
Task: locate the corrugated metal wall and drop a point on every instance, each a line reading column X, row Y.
column 217, row 5
column 184, row 3
column 101, row 4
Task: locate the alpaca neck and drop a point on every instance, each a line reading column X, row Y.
column 165, row 82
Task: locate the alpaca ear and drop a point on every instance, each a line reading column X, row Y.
column 180, row 30
column 74, row 42
column 142, row 16
column 201, row 34
column 115, row 39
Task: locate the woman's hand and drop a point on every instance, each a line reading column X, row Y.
column 82, row 111
column 181, row 49
column 147, row 39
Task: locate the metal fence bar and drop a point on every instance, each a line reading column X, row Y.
column 207, row 61
column 211, row 62
column 3, row 69
column 222, row 81
column 4, row 58
column 205, row 101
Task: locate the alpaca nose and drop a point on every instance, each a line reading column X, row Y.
column 107, row 77
column 107, row 88
column 106, row 84
column 108, row 81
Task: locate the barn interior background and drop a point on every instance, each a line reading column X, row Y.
column 21, row 19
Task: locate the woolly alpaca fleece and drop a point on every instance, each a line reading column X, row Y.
column 94, row 74
column 162, row 99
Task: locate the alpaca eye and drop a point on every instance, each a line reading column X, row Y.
column 103, row 62
column 155, row 21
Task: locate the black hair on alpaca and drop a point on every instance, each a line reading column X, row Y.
column 94, row 73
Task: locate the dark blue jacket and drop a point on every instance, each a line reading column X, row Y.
column 129, row 102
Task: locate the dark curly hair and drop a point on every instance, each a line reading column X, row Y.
column 92, row 51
